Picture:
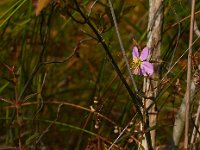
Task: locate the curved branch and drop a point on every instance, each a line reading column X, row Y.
column 135, row 98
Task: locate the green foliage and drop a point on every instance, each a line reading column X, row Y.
column 58, row 60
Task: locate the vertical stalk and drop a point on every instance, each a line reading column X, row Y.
column 188, row 91
column 154, row 44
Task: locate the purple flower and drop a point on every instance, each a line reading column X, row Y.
column 140, row 65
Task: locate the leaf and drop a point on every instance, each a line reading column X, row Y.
column 4, row 86
column 41, row 4
column 32, row 138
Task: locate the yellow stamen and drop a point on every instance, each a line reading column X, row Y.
column 136, row 63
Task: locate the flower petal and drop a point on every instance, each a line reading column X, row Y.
column 136, row 71
column 135, row 52
column 144, row 54
column 146, row 68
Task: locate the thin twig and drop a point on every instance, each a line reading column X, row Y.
column 135, row 98
column 54, row 102
column 196, row 123
column 92, row 6
column 47, row 129
column 67, row 58
column 121, row 46
column 169, row 70
column 115, row 141
column 188, row 91
column 180, row 21
column 41, row 101
column 8, row 101
column 180, row 119
column 178, row 37
column 44, row 40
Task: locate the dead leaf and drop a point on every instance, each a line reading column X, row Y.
column 40, row 5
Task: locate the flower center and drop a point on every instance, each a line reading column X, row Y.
column 136, row 63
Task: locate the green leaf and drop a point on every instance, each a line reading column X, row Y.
column 4, row 86
column 32, row 138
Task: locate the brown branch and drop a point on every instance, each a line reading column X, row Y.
column 188, row 91
column 135, row 98
column 150, row 87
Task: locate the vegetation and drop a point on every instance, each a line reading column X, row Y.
column 67, row 78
